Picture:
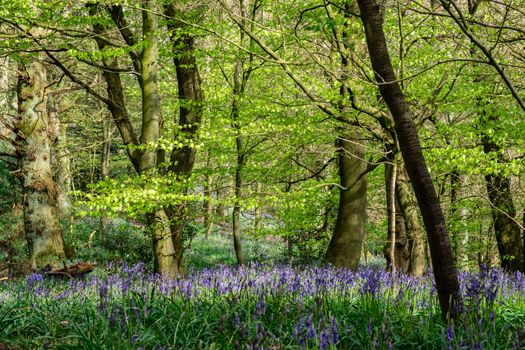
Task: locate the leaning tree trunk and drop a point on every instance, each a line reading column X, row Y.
column 40, row 192
column 445, row 273
column 345, row 246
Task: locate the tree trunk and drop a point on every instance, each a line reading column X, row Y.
column 523, row 235
column 257, row 213
column 458, row 217
column 60, row 162
column 507, row 230
column 236, row 215
column 208, row 204
column 238, row 91
column 165, row 259
column 191, row 97
column 414, row 232
column 397, row 246
column 40, row 192
column 144, row 160
column 445, row 273
column 62, row 165
column 345, row 246
column 168, row 252
column 506, row 227
column 104, row 168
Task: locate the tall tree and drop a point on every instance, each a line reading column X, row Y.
column 441, row 252
column 143, row 158
column 36, row 132
column 191, row 100
column 506, row 227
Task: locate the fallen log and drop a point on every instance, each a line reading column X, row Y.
column 72, row 271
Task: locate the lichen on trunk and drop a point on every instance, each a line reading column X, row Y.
column 40, row 192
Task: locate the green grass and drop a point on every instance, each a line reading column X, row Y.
column 218, row 249
column 127, row 243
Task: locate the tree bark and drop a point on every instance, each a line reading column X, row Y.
column 208, row 204
column 36, row 134
column 441, row 253
column 346, row 243
column 507, row 230
column 414, row 232
column 458, row 216
column 345, row 246
column 104, row 168
column 63, row 173
column 144, row 160
column 396, row 249
column 191, row 97
column 238, row 92
column 168, row 248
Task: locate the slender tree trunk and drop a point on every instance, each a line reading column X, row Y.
column 238, row 91
column 208, row 204
column 523, row 235
column 167, row 243
column 414, row 232
column 257, row 213
column 345, row 246
column 347, row 241
column 166, row 254
column 507, row 230
column 40, row 192
column 445, row 273
column 236, row 215
column 393, row 215
column 104, row 168
column 458, row 215
column 396, row 249
column 221, row 193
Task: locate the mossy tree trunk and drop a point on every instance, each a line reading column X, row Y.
column 144, row 158
column 345, row 246
column 414, row 231
column 36, row 134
